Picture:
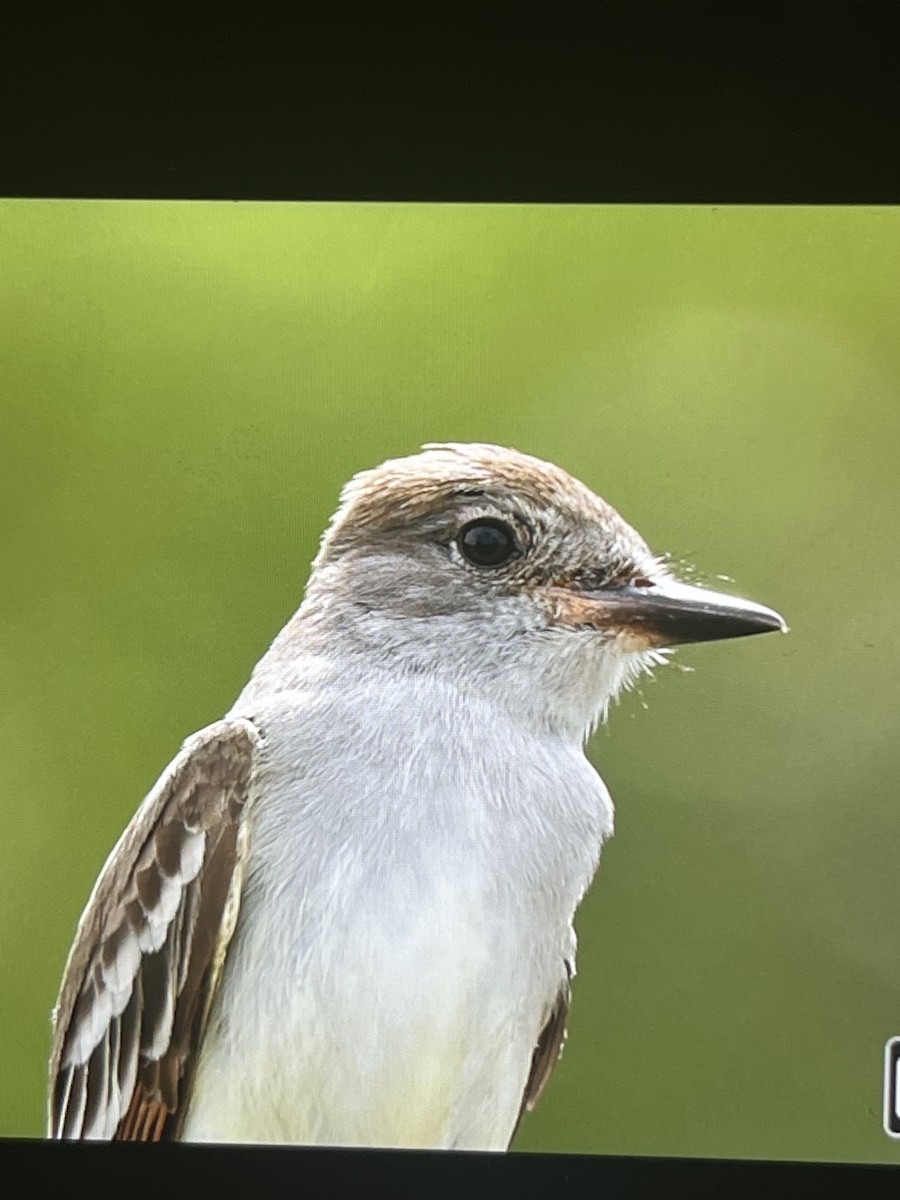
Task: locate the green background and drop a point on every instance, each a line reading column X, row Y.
column 183, row 389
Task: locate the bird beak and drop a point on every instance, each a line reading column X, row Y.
column 666, row 612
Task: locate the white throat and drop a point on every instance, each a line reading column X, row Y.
column 560, row 681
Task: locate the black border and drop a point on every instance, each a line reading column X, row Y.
column 750, row 101
column 172, row 1170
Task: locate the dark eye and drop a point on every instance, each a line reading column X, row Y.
column 488, row 543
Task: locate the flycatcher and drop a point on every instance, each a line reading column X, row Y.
column 344, row 914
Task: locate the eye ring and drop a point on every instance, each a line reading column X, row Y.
column 487, row 542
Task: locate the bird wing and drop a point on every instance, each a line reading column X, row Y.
column 549, row 1047
column 150, row 945
column 548, row 1050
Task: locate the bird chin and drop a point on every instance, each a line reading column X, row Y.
column 616, row 666
column 635, row 659
column 634, row 642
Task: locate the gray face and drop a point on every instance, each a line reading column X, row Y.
column 482, row 549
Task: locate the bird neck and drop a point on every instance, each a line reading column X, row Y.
column 550, row 681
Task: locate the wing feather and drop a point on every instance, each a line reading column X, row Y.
column 550, row 1042
column 149, row 948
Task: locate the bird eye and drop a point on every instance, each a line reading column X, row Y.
column 488, row 543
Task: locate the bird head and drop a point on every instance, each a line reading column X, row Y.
column 506, row 573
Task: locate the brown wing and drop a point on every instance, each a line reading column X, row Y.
column 548, row 1050
column 149, row 948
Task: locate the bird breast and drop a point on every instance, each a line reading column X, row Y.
column 414, row 865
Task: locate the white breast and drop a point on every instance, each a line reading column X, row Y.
column 414, row 867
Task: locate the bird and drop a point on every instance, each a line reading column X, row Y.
column 344, row 914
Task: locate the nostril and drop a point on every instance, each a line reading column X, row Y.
column 642, row 583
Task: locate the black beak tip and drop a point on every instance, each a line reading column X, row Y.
column 719, row 621
column 757, row 620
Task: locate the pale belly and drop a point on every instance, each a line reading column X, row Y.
column 415, row 1033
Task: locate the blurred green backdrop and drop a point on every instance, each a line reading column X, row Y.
column 183, row 389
